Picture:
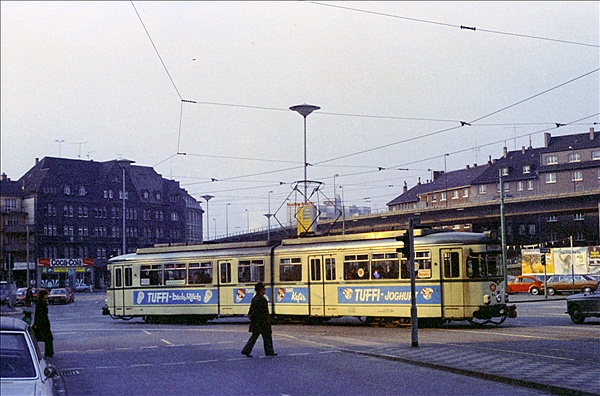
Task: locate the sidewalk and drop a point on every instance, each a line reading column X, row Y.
column 564, row 378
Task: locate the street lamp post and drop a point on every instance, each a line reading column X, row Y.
column 207, row 197
column 247, row 220
column 124, row 164
column 343, row 213
column 334, row 192
column 227, row 220
column 304, row 110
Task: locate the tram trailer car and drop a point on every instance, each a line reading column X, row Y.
column 458, row 276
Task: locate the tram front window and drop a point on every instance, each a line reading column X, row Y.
column 483, row 265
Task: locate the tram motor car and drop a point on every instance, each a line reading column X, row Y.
column 458, row 276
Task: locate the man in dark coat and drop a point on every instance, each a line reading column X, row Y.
column 260, row 322
column 41, row 324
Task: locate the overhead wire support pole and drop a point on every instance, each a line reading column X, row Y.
column 414, row 320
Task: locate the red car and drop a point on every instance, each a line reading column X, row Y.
column 525, row 284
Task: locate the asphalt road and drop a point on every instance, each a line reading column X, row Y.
column 100, row 356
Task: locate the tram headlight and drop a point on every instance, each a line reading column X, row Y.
column 486, row 299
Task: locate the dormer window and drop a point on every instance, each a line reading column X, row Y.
column 504, row 171
column 82, row 191
column 158, row 196
column 145, row 195
column 551, row 160
column 67, row 190
column 575, row 157
column 526, row 169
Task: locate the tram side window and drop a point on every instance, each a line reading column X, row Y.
column 451, row 265
column 251, row 271
column 384, row 266
column 315, row 269
column 483, row 266
column 225, row 272
column 128, row 277
column 118, row 277
column 175, row 274
column 200, row 273
column 151, row 275
column 423, row 263
column 356, row 266
column 330, row 268
column 290, row 269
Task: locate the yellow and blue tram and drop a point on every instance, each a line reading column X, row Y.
column 458, row 276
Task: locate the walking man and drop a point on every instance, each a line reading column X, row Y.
column 260, row 322
column 41, row 324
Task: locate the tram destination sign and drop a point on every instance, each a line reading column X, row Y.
column 65, row 263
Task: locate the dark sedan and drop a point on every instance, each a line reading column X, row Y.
column 581, row 306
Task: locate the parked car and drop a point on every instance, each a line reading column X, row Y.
column 59, row 296
column 581, row 306
column 23, row 371
column 564, row 283
column 82, row 287
column 20, row 300
column 6, row 291
column 525, row 284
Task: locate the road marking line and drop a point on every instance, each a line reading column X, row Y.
column 146, row 332
column 142, row 365
column 206, row 361
column 225, row 342
column 175, row 345
column 299, row 354
column 149, row 347
column 123, row 349
column 94, row 350
column 202, row 344
column 174, row 364
column 107, row 367
column 166, row 342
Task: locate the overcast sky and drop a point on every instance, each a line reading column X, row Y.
column 394, row 80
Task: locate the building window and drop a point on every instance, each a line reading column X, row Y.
column 482, row 189
column 577, row 176
column 578, row 217
column 596, row 154
column 531, row 229
column 552, row 219
column 551, row 160
column 530, row 184
column 550, row 178
column 504, row 171
column 465, row 192
column 522, row 229
column 443, row 196
column 434, row 196
column 454, row 194
column 575, row 157
column 526, row 169
column 580, row 236
column 67, row 190
column 82, row 191
column 520, row 186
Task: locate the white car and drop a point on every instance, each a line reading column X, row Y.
column 23, row 371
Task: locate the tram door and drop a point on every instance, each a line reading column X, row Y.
column 316, row 287
column 452, row 285
column 122, row 278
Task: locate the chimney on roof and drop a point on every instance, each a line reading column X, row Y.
column 467, row 166
column 490, row 160
column 405, row 188
column 547, row 138
column 592, row 134
column 5, row 177
column 504, row 151
column 419, row 183
column 37, row 160
column 522, row 149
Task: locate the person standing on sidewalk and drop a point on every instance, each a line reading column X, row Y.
column 41, row 324
column 260, row 322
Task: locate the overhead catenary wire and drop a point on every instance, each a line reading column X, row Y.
column 461, row 27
